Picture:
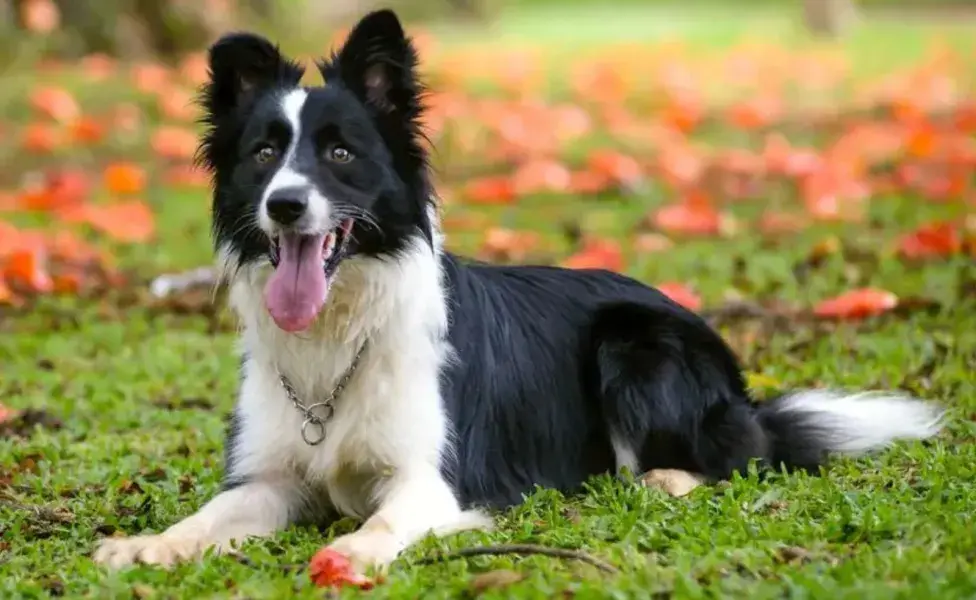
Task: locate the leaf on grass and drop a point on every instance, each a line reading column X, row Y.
column 329, row 568
column 131, row 221
column 857, row 304
column 933, row 240
column 124, row 178
column 55, row 103
column 490, row 190
column 175, row 143
column 681, row 294
column 597, row 253
column 27, row 267
column 688, row 218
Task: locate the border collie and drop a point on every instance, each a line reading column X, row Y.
column 389, row 380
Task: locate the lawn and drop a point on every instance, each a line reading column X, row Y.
column 120, row 398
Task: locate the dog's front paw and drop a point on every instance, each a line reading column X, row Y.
column 367, row 549
column 161, row 550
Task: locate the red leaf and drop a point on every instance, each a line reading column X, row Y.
column 130, row 221
column 597, row 254
column 681, row 294
column 931, row 240
column 329, row 568
column 857, row 304
column 688, row 218
column 490, row 190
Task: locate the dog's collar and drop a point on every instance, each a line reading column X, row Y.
column 328, row 404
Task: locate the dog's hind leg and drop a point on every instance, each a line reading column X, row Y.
column 672, row 398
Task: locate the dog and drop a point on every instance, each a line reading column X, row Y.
column 386, row 379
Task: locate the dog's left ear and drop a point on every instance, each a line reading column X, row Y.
column 377, row 64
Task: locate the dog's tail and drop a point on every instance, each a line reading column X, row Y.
column 802, row 427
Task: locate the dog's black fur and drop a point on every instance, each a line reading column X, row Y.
column 550, row 363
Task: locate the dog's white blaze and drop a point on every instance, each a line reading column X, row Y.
column 857, row 423
column 288, row 174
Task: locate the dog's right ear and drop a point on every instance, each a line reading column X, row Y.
column 241, row 64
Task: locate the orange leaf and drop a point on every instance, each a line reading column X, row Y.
column 490, row 190
column 931, row 240
column 87, row 131
column 597, row 254
column 68, row 283
column 124, row 178
column 40, row 16
column 541, row 175
column 174, row 143
column 130, row 221
column 27, row 266
column 55, row 103
column 59, row 191
column 40, row 138
column 177, row 104
column 615, row 165
column 186, row 176
column 588, row 182
column 329, row 568
column 503, row 244
column 857, row 304
column 681, row 294
column 688, row 218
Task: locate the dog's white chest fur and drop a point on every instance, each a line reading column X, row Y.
column 388, row 416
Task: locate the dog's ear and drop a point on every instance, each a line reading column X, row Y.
column 241, row 64
column 377, row 63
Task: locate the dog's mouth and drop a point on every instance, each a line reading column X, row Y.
column 304, row 267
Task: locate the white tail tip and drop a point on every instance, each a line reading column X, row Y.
column 858, row 423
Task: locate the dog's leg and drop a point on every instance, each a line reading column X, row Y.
column 412, row 503
column 256, row 508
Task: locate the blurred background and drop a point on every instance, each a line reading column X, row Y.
column 584, row 133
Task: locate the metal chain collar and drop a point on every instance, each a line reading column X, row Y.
column 328, row 404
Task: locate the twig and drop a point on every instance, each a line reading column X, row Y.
column 524, row 549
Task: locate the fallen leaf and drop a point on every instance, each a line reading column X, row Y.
column 329, row 568
column 597, row 254
column 681, row 294
column 933, row 240
column 857, row 304
column 131, row 221
column 124, row 178
column 40, row 16
column 490, row 190
column 55, row 103
column 688, row 219
column 175, row 143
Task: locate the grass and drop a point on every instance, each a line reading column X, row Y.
column 141, row 393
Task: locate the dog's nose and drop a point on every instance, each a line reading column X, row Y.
column 287, row 205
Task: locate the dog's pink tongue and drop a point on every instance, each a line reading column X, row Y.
column 297, row 289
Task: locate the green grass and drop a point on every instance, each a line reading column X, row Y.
column 141, row 393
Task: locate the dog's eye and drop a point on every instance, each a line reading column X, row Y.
column 339, row 154
column 265, row 154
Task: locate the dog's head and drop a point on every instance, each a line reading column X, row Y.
column 306, row 177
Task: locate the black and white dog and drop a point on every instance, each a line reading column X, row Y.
column 442, row 387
